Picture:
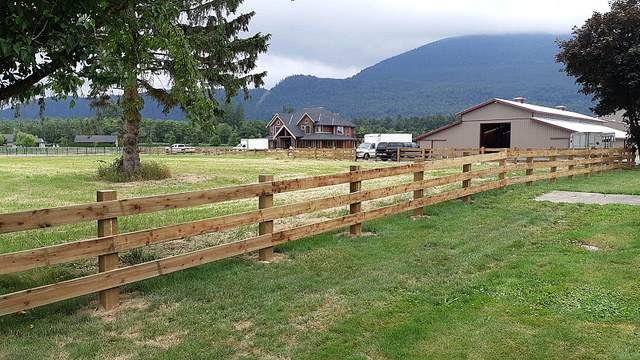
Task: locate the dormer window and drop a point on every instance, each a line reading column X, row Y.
column 340, row 130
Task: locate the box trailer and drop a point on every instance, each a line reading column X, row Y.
column 252, row 144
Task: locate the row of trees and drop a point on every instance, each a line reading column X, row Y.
column 229, row 130
column 63, row 131
column 416, row 125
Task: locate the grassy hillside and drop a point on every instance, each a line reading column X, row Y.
column 501, row 277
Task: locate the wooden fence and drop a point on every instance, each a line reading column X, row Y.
column 109, row 243
column 60, row 151
column 301, row 153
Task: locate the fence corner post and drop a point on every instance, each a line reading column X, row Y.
column 265, row 227
column 109, row 298
column 466, row 183
column 418, row 194
column 356, row 207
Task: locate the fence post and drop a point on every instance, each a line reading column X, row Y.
column 588, row 165
column 529, row 171
column 109, row 298
column 265, row 227
column 466, row 183
column 600, row 157
column 571, row 166
column 418, row 194
column 398, row 150
column 503, row 174
column 354, row 208
column 554, row 168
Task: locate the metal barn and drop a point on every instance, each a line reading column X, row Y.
column 500, row 123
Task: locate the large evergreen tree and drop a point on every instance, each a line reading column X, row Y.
column 604, row 56
column 190, row 44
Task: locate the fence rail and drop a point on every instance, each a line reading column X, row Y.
column 59, row 151
column 108, row 243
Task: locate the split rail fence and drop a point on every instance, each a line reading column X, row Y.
column 301, row 153
column 491, row 171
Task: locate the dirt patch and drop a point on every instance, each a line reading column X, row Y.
column 242, row 325
column 626, row 328
column 590, row 247
column 128, row 301
column 163, row 342
column 173, row 180
column 325, row 314
column 277, row 257
column 348, row 234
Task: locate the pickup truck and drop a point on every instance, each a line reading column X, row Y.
column 180, row 149
column 389, row 150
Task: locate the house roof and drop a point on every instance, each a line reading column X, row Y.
column 95, row 139
column 10, row 139
column 319, row 116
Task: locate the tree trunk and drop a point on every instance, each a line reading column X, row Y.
column 131, row 101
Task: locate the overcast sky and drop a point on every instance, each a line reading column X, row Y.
column 338, row 38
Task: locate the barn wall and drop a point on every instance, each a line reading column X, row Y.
column 496, row 111
column 525, row 133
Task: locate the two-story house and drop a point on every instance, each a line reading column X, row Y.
column 310, row 128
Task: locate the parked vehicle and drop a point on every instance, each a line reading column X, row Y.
column 180, row 149
column 367, row 149
column 389, row 150
column 251, row 144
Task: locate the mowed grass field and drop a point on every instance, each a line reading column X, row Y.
column 501, row 277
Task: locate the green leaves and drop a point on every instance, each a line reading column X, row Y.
column 602, row 55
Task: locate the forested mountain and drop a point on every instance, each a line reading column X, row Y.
column 442, row 77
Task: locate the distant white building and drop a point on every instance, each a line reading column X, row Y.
column 499, row 123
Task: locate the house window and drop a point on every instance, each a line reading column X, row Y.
column 306, row 129
column 276, row 129
column 340, row 130
column 318, row 128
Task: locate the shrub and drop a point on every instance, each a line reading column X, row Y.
column 24, row 139
column 149, row 170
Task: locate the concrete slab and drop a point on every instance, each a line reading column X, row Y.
column 589, row 198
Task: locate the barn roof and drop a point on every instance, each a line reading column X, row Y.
column 535, row 109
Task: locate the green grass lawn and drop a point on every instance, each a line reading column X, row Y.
column 501, row 277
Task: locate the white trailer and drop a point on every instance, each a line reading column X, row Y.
column 588, row 140
column 252, row 144
column 367, row 149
